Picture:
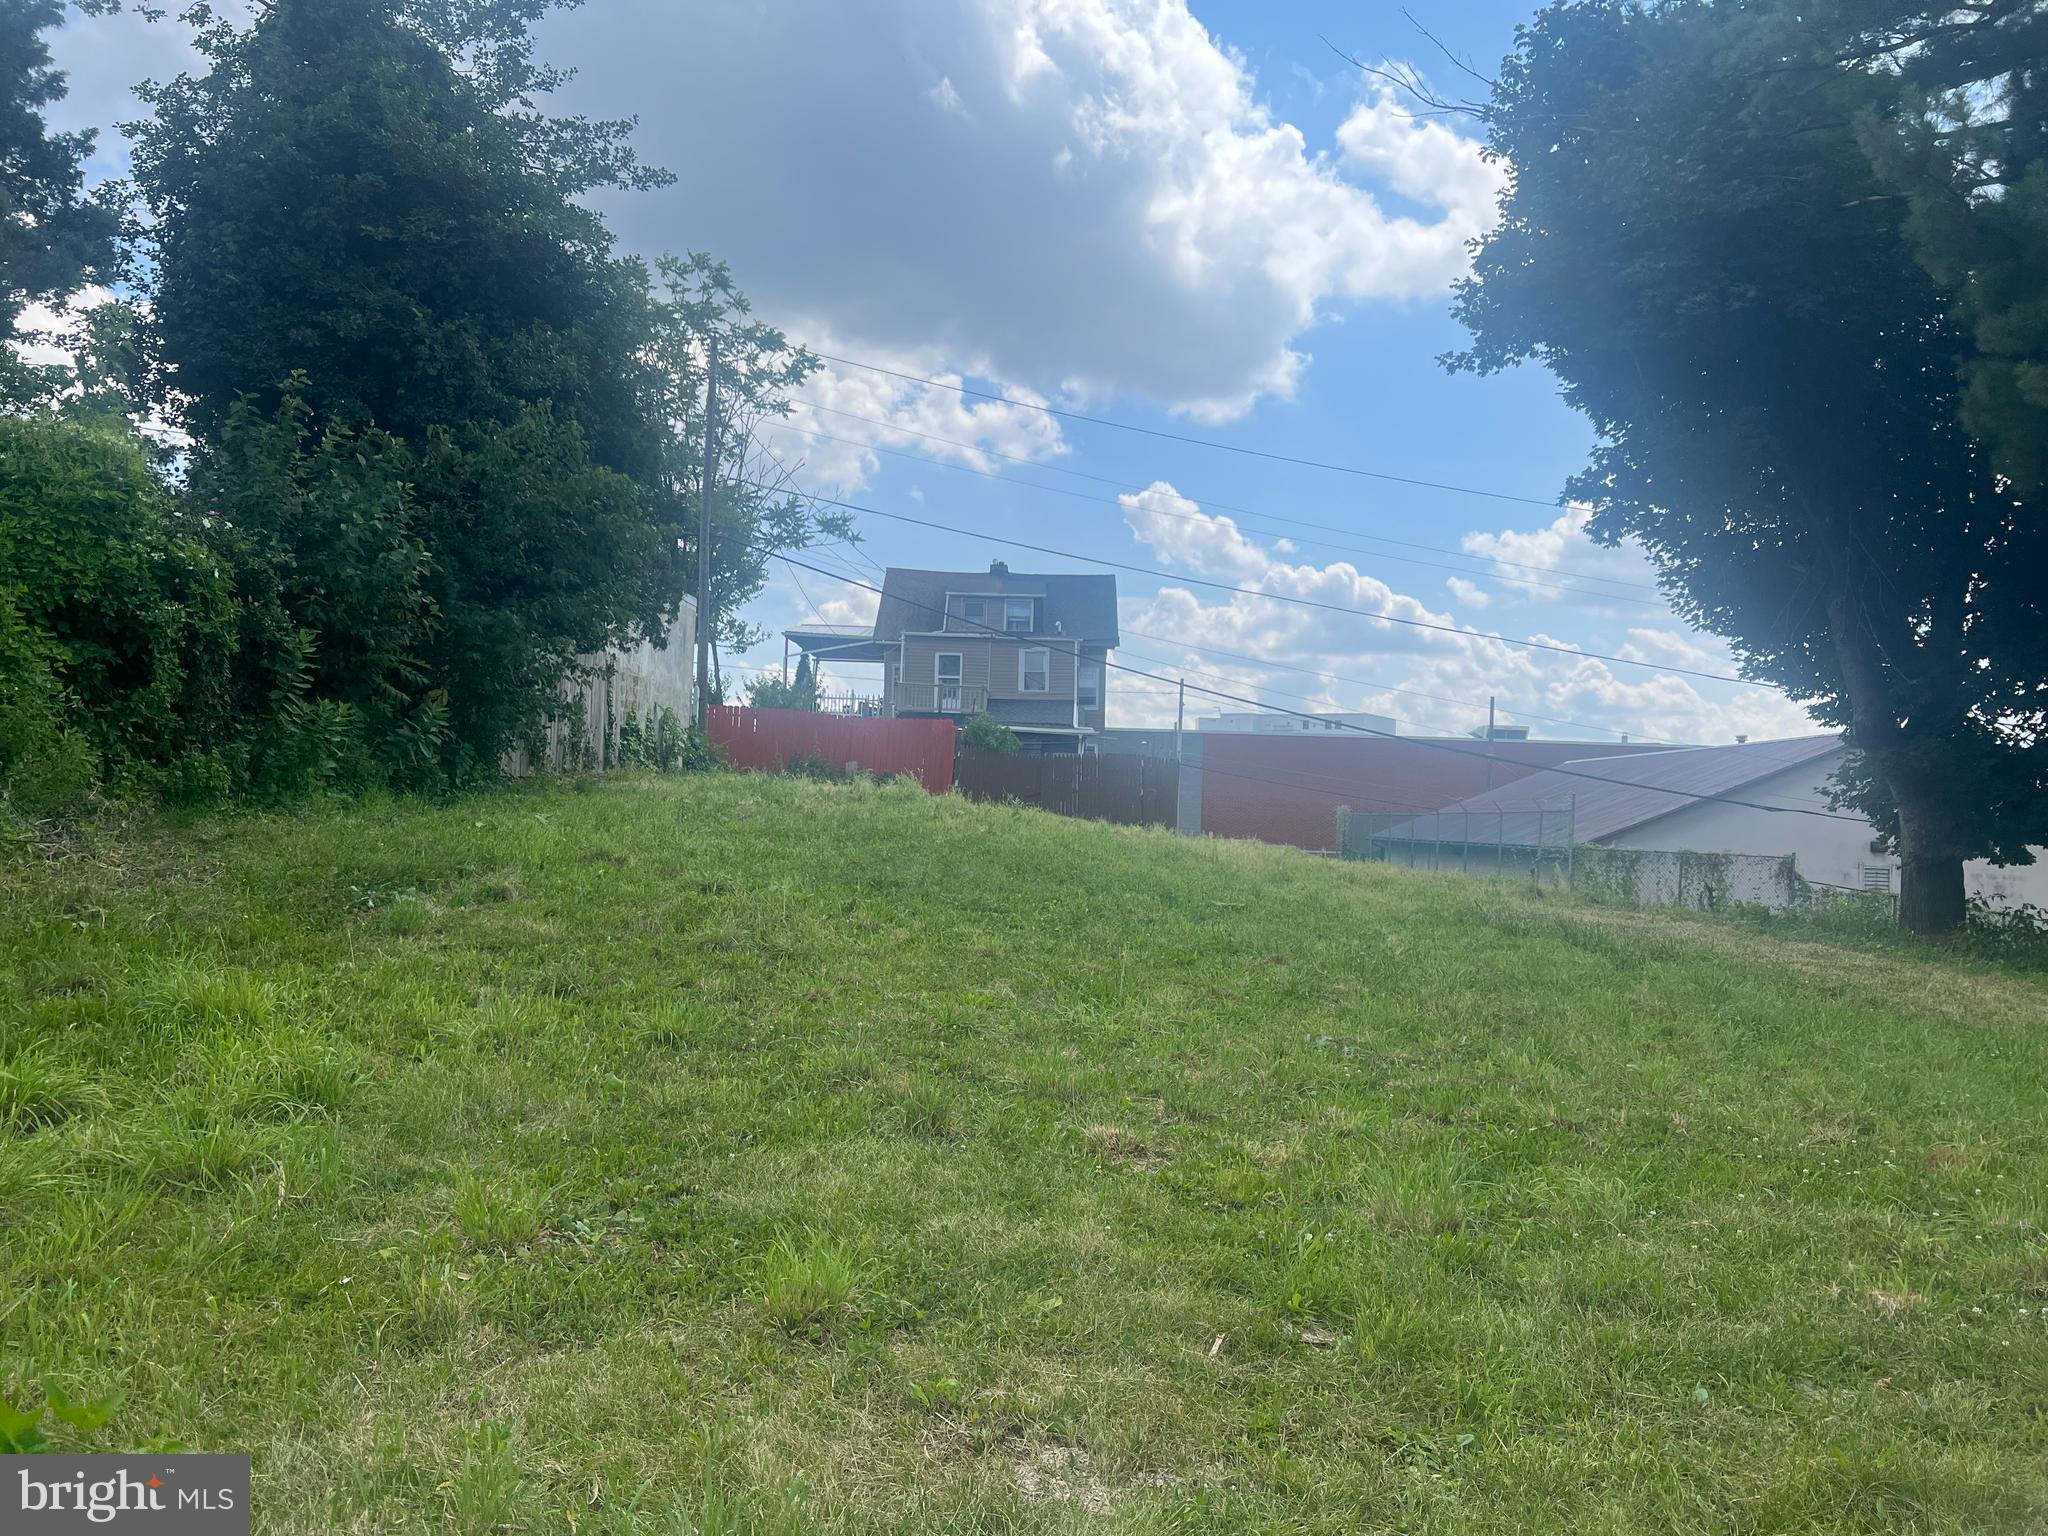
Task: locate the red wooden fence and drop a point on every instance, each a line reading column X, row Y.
column 770, row 738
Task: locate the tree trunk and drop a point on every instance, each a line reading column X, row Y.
column 1931, row 884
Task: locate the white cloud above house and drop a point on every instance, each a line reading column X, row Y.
column 1087, row 198
column 1432, row 679
column 1084, row 196
column 1573, row 568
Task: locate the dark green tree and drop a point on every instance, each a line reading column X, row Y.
column 1958, row 125
column 769, row 691
column 322, row 528
column 360, row 218
column 54, row 236
column 1698, row 243
column 117, row 623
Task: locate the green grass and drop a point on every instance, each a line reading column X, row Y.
column 731, row 1154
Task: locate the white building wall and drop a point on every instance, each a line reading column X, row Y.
column 1829, row 852
column 636, row 680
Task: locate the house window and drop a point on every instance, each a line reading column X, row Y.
column 1034, row 671
column 1091, row 685
column 1017, row 615
column 974, row 610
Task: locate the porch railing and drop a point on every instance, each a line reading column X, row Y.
column 940, row 699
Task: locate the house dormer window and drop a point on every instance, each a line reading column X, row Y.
column 1018, row 615
column 974, row 610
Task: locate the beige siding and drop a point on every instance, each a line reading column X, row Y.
column 990, row 663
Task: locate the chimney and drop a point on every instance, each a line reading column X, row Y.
column 1742, row 741
column 998, row 568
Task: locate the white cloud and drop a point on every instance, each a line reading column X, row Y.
column 1084, row 195
column 1181, row 534
column 850, row 605
column 1384, row 666
column 49, row 334
column 841, row 414
column 1563, row 557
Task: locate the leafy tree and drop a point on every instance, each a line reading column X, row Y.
column 1957, row 124
column 322, row 527
column 116, row 623
column 54, row 237
column 1698, row 243
column 769, row 691
column 364, row 230
column 755, row 509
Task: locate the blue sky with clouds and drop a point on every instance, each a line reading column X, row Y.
column 1205, row 222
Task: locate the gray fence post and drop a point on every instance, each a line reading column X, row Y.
column 1187, row 809
column 1571, row 844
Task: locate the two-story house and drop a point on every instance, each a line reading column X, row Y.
column 1029, row 650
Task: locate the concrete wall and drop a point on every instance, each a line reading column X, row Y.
column 1703, row 882
column 638, row 680
column 1827, row 852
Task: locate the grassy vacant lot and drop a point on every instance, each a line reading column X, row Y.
column 730, row 1153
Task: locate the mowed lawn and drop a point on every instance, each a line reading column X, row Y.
column 728, row 1153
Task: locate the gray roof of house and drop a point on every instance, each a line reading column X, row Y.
column 912, row 600
column 1594, row 798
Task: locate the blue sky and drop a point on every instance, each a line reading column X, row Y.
column 1206, row 223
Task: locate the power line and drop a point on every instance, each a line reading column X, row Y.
column 1128, row 485
column 1298, row 602
column 1169, row 689
column 1365, row 682
column 1188, row 438
column 1366, row 730
column 1203, row 517
column 1362, row 682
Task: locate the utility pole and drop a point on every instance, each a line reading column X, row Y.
column 1489, row 741
column 1180, row 710
column 704, row 535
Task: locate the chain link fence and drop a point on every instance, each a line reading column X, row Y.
column 1535, row 843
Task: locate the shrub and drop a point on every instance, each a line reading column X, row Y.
column 989, row 734
column 692, row 751
column 117, row 618
column 770, row 692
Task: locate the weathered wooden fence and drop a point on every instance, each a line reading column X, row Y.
column 773, row 738
column 1137, row 791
